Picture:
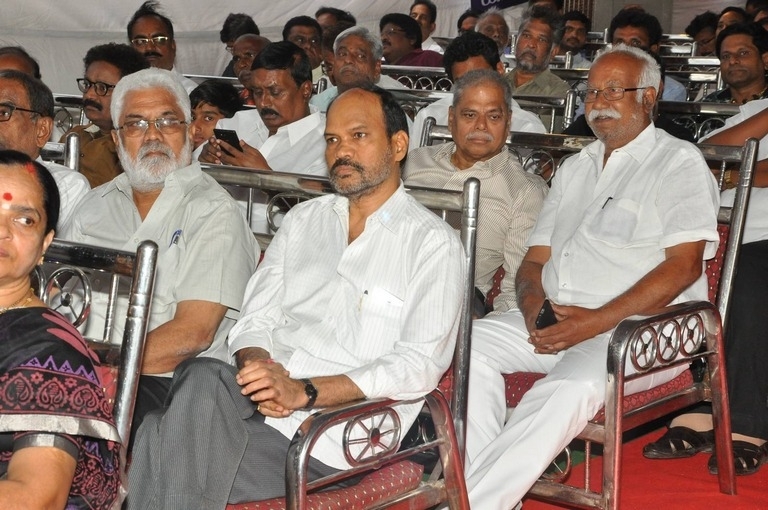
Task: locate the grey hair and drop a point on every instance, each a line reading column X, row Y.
column 375, row 42
column 650, row 74
column 493, row 11
column 149, row 79
column 548, row 16
column 478, row 77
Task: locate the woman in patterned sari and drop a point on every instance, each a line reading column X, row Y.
column 58, row 445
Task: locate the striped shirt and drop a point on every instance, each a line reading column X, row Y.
column 510, row 200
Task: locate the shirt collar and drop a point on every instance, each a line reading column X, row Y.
column 638, row 149
column 389, row 215
column 446, row 150
column 298, row 129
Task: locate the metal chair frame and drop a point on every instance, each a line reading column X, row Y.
column 66, row 153
column 140, row 268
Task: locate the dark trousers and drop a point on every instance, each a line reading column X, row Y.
column 208, row 447
column 746, row 343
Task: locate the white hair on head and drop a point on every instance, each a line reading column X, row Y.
column 650, row 74
column 363, row 33
column 149, row 79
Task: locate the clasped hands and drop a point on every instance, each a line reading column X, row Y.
column 574, row 325
column 218, row 152
column 269, row 385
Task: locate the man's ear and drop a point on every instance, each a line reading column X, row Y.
column 43, row 128
column 500, row 68
column 306, row 90
column 764, row 57
column 377, row 71
column 649, row 99
column 400, row 145
column 451, row 115
column 115, row 137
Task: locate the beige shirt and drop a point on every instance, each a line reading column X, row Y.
column 510, row 200
column 206, row 250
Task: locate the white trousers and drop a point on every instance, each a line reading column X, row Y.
column 504, row 460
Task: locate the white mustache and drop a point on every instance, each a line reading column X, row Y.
column 480, row 135
column 607, row 112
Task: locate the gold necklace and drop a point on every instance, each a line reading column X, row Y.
column 21, row 303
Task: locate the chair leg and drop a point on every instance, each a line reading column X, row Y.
column 721, row 419
column 450, row 455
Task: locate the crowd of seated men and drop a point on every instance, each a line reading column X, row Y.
column 360, row 284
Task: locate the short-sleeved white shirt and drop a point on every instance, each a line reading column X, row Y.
column 608, row 226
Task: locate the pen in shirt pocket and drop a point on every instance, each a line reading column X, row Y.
column 175, row 238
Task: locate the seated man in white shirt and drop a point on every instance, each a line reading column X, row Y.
column 358, row 296
column 26, row 120
column 425, row 14
column 510, row 198
column 282, row 133
column 206, row 250
column 470, row 51
column 624, row 230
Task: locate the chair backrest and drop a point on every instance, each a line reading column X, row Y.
column 423, row 78
column 735, row 217
column 699, row 118
column 67, row 284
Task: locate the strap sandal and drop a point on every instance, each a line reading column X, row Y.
column 747, row 458
column 679, row 443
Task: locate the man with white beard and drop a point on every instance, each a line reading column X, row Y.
column 207, row 252
column 623, row 231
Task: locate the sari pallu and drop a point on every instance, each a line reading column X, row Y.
column 49, row 383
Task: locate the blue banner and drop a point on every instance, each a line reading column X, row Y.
column 484, row 5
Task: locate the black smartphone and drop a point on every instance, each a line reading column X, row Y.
column 229, row 136
column 546, row 316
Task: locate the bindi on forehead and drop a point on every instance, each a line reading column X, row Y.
column 7, row 196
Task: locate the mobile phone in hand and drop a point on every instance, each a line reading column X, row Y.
column 229, row 136
column 546, row 316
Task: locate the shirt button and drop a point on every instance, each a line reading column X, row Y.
column 566, row 254
column 135, row 239
column 564, row 285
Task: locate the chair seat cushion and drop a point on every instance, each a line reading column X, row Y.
column 518, row 383
column 382, row 484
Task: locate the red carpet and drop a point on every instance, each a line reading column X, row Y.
column 673, row 484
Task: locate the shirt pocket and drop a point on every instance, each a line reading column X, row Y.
column 616, row 224
column 380, row 312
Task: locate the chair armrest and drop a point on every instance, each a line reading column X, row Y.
column 373, row 430
column 672, row 337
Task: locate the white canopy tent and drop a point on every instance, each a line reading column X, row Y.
column 59, row 33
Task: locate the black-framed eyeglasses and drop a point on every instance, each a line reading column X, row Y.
column 609, row 93
column 7, row 109
column 165, row 125
column 158, row 40
column 101, row 88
